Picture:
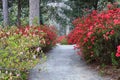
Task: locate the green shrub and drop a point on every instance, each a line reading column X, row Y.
column 20, row 49
column 64, row 42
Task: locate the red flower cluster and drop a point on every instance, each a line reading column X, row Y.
column 60, row 38
column 118, row 51
column 50, row 34
column 26, row 31
column 96, row 30
column 46, row 32
column 85, row 27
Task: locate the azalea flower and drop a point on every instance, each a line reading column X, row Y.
column 89, row 34
column 38, row 49
column 117, row 54
column 118, row 51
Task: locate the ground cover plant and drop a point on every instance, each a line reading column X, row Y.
column 20, row 49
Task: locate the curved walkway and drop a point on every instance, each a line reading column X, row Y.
column 63, row 64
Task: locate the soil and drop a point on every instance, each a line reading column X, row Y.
column 107, row 71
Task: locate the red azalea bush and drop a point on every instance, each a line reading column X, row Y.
column 118, row 51
column 62, row 40
column 98, row 36
column 51, row 34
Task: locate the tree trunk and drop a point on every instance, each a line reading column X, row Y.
column 67, row 29
column 95, row 4
column 19, row 13
column 34, row 12
column 41, row 18
column 5, row 13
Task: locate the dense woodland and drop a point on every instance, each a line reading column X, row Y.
column 59, row 12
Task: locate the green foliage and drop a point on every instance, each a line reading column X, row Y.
column 35, row 21
column 19, row 52
column 114, row 61
column 13, row 8
column 16, row 55
column 64, row 42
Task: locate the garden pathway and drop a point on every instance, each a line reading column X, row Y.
column 63, row 64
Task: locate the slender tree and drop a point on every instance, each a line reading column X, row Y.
column 19, row 13
column 34, row 12
column 5, row 12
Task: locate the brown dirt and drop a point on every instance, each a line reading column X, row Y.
column 107, row 71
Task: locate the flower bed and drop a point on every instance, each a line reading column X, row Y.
column 20, row 49
column 98, row 36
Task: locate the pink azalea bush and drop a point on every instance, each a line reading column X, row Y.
column 98, row 36
column 20, row 49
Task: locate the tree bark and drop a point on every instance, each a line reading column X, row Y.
column 41, row 18
column 67, row 29
column 95, row 4
column 19, row 13
column 34, row 12
column 5, row 13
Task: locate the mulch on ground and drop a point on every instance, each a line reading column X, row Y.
column 107, row 71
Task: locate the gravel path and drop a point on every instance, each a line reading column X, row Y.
column 63, row 64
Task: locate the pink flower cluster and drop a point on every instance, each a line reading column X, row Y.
column 43, row 31
column 118, row 51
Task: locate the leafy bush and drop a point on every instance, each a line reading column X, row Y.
column 20, row 49
column 98, row 36
column 50, row 37
column 62, row 40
